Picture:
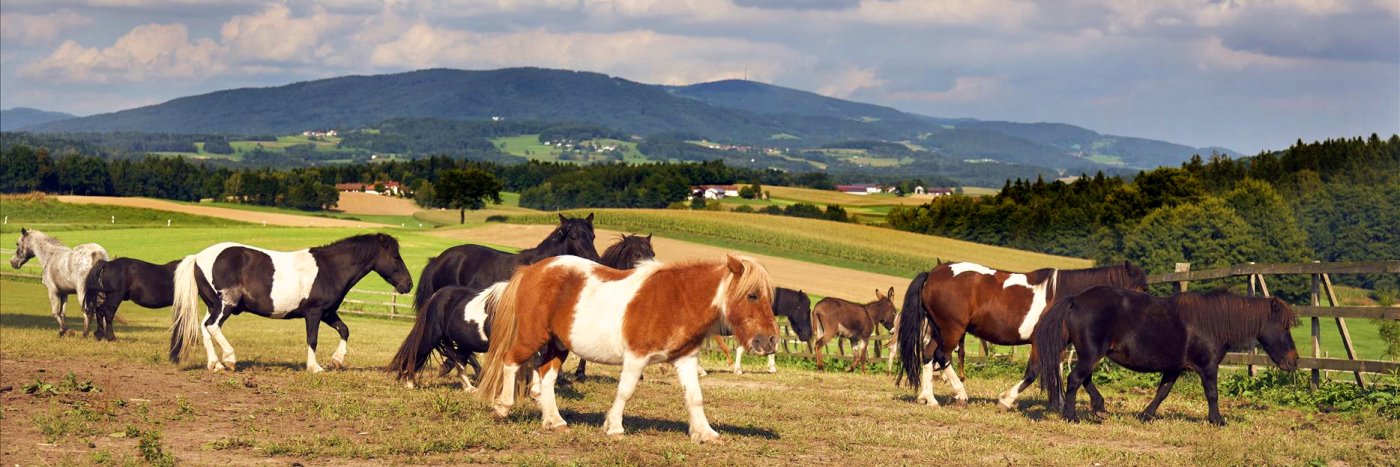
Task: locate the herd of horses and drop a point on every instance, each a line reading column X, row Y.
column 530, row 310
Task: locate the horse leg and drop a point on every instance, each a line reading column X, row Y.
column 506, row 399
column 1007, row 400
column 700, row 430
column 88, row 315
column 1208, row 383
column 549, row 406
column 1083, row 370
column 962, row 357
column 739, row 360
column 313, row 327
column 773, row 362
column 1163, row 388
column 857, row 345
column 210, row 352
column 724, row 348
column 818, row 349
column 959, row 391
column 626, row 386
column 926, row 376
column 216, row 330
column 1095, row 399
column 467, row 386
column 580, row 373
column 333, row 319
column 56, row 303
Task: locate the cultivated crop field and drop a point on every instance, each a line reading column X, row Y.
column 851, row 246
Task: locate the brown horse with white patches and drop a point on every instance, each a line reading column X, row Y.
column 652, row 314
column 1001, row 307
column 835, row 317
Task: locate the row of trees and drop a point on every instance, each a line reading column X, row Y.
column 1335, row 200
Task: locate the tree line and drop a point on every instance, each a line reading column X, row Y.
column 1332, row 200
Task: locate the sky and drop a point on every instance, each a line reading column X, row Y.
column 1247, row 75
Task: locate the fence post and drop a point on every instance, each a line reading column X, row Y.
column 393, row 304
column 1316, row 333
column 1181, row 286
column 1254, row 349
column 1341, row 326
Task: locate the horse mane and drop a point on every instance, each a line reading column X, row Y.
column 547, row 247
column 38, row 236
column 1074, row 281
column 1228, row 318
column 362, row 247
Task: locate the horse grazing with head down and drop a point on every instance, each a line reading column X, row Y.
column 1188, row 331
column 310, row 284
column 477, row 267
column 654, row 313
column 456, row 323
column 835, row 317
column 789, row 303
column 109, row 283
column 955, row 299
column 65, row 270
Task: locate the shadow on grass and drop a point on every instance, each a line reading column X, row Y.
column 74, row 323
column 635, row 424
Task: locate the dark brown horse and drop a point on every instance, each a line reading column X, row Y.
column 834, row 317
column 1002, row 307
column 1157, row 335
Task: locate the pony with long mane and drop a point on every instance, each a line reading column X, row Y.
column 231, row 278
column 652, row 314
column 477, row 267
column 110, row 283
column 952, row 300
column 456, row 321
column 65, row 270
column 1188, row 331
column 792, row 304
column 837, row 317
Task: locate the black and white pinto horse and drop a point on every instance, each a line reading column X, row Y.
column 65, row 270
column 478, row 267
column 110, row 283
column 456, row 321
column 231, row 278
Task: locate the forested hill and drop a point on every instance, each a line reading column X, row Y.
column 20, row 117
column 739, row 112
column 1334, row 200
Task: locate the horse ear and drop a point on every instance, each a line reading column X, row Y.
column 878, row 295
column 562, row 218
column 589, row 218
column 23, row 231
column 890, row 294
column 648, row 237
column 735, row 265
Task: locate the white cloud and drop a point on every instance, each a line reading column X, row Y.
column 965, row 89
column 275, row 35
column 39, row 28
column 151, row 51
column 845, row 82
column 1212, row 54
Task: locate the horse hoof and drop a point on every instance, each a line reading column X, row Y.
column 738, row 372
column 556, row 428
column 960, row 403
column 1005, row 407
column 315, row 369
column 469, row 390
column 772, row 370
column 409, row 385
column 710, row 437
column 500, row 413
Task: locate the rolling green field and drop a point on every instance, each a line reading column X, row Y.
column 326, row 144
column 851, row 246
column 530, row 147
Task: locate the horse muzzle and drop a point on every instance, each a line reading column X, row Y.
column 763, row 344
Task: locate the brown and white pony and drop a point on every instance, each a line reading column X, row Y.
column 652, row 314
column 835, row 317
column 1001, row 307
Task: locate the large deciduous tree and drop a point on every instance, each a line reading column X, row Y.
column 464, row 189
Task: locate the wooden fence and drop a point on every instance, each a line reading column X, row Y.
column 1320, row 289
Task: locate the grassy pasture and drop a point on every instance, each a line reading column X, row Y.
column 530, row 147
column 845, row 245
column 141, row 409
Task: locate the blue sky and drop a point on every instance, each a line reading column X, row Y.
column 1248, row 75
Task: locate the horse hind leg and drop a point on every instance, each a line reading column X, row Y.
column 689, row 377
column 959, row 391
column 211, row 353
column 216, row 330
column 1007, row 400
column 627, row 386
column 550, row 418
column 57, row 302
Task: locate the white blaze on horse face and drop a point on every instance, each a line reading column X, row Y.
column 959, row 268
column 1039, row 293
column 475, row 311
column 596, row 335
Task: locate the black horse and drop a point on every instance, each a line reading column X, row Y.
column 455, row 321
column 795, row 305
column 231, row 278
column 477, row 267
column 109, row 283
column 1169, row 335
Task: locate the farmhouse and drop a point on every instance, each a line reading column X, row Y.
column 715, row 191
column 390, row 188
column 320, row 133
column 860, row 189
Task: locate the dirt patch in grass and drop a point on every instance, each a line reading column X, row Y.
column 236, row 214
column 353, row 202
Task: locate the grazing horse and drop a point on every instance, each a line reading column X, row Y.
column 835, row 317
column 1001, row 307
column 1188, row 331
column 112, row 282
column 654, row 313
column 478, row 267
column 65, row 270
column 793, row 304
column 455, row 322
column 311, row 283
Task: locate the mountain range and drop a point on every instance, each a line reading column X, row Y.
column 20, row 117
column 732, row 111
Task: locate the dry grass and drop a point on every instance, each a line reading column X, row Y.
column 271, row 411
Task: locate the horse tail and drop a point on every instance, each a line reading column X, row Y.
column 505, row 333
column 94, row 286
column 910, row 332
column 1048, row 343
column 425, row 337
column 184, row 327
column 425, row 284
